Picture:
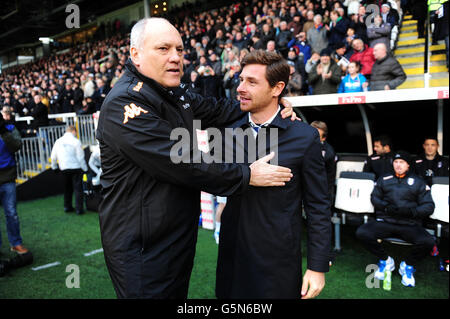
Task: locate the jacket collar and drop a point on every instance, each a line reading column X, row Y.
column 278, row 122
column 171, row 93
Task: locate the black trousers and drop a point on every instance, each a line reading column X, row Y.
column 73, row 183
column 422, row 241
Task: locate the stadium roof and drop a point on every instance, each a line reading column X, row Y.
column 25, row 21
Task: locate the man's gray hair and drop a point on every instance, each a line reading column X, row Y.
column 137, row 34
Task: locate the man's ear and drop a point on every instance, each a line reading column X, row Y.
column 134, row 55
column 278, row 89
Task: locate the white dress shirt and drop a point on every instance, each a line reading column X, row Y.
column 256, row 127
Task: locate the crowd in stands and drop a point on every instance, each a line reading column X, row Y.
column 333, row 46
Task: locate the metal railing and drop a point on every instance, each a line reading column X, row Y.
column 34, row 156
column 426, row 62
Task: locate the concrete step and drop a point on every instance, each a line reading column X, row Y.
column 406, row 35
column 420, row 59
column 408, row 43
column 409, row 22
column 418, row 49
column 408, row 28
column 420, row 70
column 419, row 83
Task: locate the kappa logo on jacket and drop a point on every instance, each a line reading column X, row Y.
column 131, row 111
column 138, row 86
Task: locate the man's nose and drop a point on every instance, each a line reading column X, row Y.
column 175, row 56
column 240, row 88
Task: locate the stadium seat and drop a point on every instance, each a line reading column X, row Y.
column 353, row 192
column 349, row 163
column 439, row 219
column 352, row 201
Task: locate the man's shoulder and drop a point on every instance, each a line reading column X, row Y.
column 128, row 90
column 301, row 129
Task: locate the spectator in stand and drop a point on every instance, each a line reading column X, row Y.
column 267, row 34
column 302, row 47
column 353, row 81
column 209, row 82
column 233, row 63
column 218, row 43
column 379, row 32
column 89, row 86
column 271, row 46
column 364, row 55
column 295, row 26
column 39, row 113
column 239, row 42
column 226, row 56
column 419, row 10
column 232, row 82
column 380, row 162
column 337, row 30
column 282, row 39
column 341, row 57
column 310, row 21
column 312, row 62
column 100, row 93
column 20, row 105
column 389, row 15
column 349, row 39
column 77, row 97
column 299, row 68
column 325, row 76
column 294, row 86
column 66, row 98
column 430, row 163
column 358, row 23
column 194, row 83
column 216, row 65
column 317, row 35
column 387, row 73
column 87, row 106
column 352, row 6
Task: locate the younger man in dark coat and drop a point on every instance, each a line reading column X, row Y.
column 260, row 238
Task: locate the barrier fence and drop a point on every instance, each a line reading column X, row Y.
column 34, row 156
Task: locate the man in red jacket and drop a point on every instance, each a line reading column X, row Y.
column 364, row 55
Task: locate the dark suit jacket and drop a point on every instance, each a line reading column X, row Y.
column 260, row 240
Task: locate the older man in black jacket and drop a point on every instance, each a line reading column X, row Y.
column 402, row 201
column 151, row 202
column 387, row 73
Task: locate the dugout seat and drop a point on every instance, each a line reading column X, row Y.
column 353, row 196
column 352, row 204
column 439, row 220
column 349, row 163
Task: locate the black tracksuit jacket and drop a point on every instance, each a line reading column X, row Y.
column 150, row 208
